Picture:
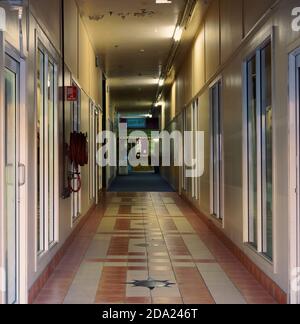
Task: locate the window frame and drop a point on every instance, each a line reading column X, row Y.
column 75, row 119
column 261, row 248
column 217, row 84
column 195, row 129
column 44, row 228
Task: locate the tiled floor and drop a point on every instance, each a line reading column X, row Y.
column 149, row 235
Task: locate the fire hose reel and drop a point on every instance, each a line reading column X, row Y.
column 78, row 156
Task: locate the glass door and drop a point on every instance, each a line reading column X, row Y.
column 12, row 181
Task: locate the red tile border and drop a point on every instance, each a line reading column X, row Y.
column 274, row 290
column 46, row 274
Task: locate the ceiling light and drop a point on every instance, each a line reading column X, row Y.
column 163, row 1
column 161, row 82
column 178, row 34
column 2, row 20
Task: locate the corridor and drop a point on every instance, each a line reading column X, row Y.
column 140, row 182
column 138, row 237
column 149, row 152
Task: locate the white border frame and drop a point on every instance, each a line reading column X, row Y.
column 219, row 218
column 260, row 43
column 76, row 197
column 294, row 176
column 42, row 42
column 6, row 48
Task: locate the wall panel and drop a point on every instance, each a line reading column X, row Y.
column 198, row 64
column 254, row 10
column 48, row 15
column 212, row 39
column 71, row 36
column 231, row 20
column 84, row 58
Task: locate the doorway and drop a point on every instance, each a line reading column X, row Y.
column 294, row 175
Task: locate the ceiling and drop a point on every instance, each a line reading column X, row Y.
column 133, row 39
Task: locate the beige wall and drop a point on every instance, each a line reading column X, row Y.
column 71, row 36
column 48, row 14
column 219, row 50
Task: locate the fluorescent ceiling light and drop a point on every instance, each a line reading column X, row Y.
column 178, row 34
column 2, row 20
column 163, row 1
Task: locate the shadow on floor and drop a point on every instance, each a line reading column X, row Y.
column 140, row 182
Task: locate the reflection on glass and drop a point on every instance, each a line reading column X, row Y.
column 51, row 150
column 11, row 186
column 267, row 180
column 46, row 148
column 252, row 152
column 40, row 153
column 216, row 151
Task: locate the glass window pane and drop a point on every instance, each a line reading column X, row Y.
column 216, row 151
column 40, row 152
column 51, row 150
column 266, row 62
column 11, row 185
column 252, row 151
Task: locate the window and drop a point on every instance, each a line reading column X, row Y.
column 92, row 153
column 195, row 126
column 46, row 148
column 216, row 152
column 75, row 117
column 260, row 150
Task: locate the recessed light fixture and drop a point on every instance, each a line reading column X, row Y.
column 142, row 50
column 161, row 82
column 178, row 34
column 2, row 19
column 163, row 1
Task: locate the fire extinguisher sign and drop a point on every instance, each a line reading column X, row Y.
column 71, row 93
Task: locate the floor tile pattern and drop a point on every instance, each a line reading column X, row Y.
column 136, row 236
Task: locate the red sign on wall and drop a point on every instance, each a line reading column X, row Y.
column 71, row 93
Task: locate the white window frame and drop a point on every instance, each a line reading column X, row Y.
column 260, row 250
column 44, row 171
column 195, row 128
column 294, row 175
column 76, row 206
column 220, row 180
column 93, row 119
column 184, row 168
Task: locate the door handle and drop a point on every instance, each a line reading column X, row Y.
column 22, row 176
